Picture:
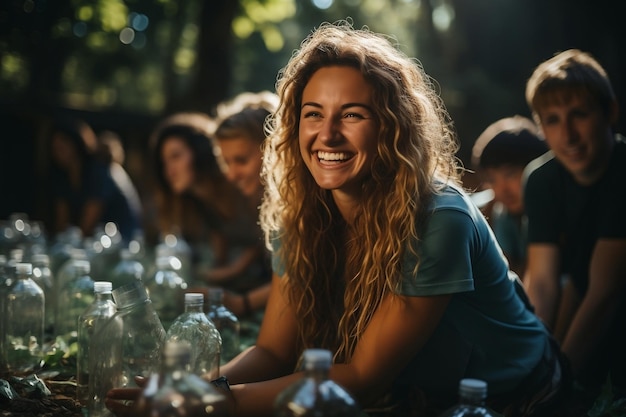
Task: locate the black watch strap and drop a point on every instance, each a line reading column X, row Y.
column 222, row 383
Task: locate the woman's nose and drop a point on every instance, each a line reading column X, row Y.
column 329, row 131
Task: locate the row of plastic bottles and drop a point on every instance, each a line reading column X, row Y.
column 68, row 291
column 176, row 392
column 23, row 313
column 119, row 322
column 120, row 337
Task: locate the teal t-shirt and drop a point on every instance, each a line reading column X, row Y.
column 487, row 332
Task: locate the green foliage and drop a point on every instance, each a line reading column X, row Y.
column 263, row 16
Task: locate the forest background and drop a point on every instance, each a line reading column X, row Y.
column 124, row 64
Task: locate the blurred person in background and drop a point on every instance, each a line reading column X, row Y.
column 240, row 136
column 87, row 188
column 575, row 199
column 196, row 200
column 499, row 156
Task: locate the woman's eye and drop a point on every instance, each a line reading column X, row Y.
column 311, row 114
column 353, row 117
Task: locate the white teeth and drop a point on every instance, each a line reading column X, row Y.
column 330, row 156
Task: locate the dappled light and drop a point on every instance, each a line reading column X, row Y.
column 322, row 4
column 443, row 15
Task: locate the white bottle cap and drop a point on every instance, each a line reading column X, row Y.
column 473, row 387
column 317, row 359
column 17, row 254
column 40, row 259
column 194, row 297
column 102, row 287
column 24, row 268
column 82, row 266
column 163, row 262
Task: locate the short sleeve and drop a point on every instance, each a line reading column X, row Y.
column 445, row 254
column 278, row 264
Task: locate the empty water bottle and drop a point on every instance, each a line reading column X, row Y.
column 174, row 244
column 74, row 297
column 227, row 324
column 176, row 392
column 166, row 290
column 129, row 344
column 472, row 395
column 315, row 394
column 89, row 322
column 24, row 321
column 194, row 327
column 126, row 270
column 42, row 275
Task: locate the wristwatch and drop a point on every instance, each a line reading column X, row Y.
column 222, row 383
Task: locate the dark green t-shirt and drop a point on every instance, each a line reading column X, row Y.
column 486, row 332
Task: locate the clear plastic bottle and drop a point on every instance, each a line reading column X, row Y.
column 105, row 250
column 176, row 392
column 129, row 344
column 24, row 322
column 74, row 297
column 42, row 275
column 472, row 395
column 315, row 394
column 126, row 270
column 63, row 274
column 89, row 322
column 194, row 327
column 227, row 324
column 61, row 248
column 175, row 245
column 139, row 250
column 166, row 290
column 16, row 256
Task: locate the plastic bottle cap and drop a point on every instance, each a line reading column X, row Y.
column 163, row 250
column 474, row 387
column 76, row 253
column 317, row 358
column 40, row 258
column 82, row 266
column 24, row 268
column 164, row 262
column 194, row 297
column 102, row 287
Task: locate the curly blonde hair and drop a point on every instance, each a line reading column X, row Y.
column 354, row 266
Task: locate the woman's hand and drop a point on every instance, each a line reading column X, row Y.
column 123, row 401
